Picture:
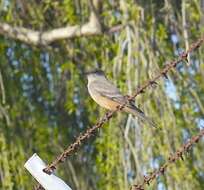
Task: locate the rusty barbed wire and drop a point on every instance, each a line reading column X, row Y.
column 172, row 158
column 90, row 131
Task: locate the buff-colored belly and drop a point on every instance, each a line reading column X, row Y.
column 104, row 102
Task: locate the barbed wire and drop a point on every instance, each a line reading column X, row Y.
column 172, row 158
column 90, row 131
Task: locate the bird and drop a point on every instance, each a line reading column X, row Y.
column 108, row 96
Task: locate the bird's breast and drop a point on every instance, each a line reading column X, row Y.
column 102, row 100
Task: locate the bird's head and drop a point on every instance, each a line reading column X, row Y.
column 94, row 74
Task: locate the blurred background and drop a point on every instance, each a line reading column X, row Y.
column 44, row 103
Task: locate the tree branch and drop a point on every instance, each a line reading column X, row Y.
column 44, row 38
column 92, row 27
column 34, row 37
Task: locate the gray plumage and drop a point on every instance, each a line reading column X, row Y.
column 103, row 91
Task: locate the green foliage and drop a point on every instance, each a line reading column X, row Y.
column 13, row 176
column 108, row 158
column 44, row 103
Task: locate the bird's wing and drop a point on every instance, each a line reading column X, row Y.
column 109, row 90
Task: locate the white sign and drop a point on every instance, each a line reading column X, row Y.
column 35, row 166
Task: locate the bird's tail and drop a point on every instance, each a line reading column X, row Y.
column 138, row 113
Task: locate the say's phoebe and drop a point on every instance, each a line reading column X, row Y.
column 108, row 96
